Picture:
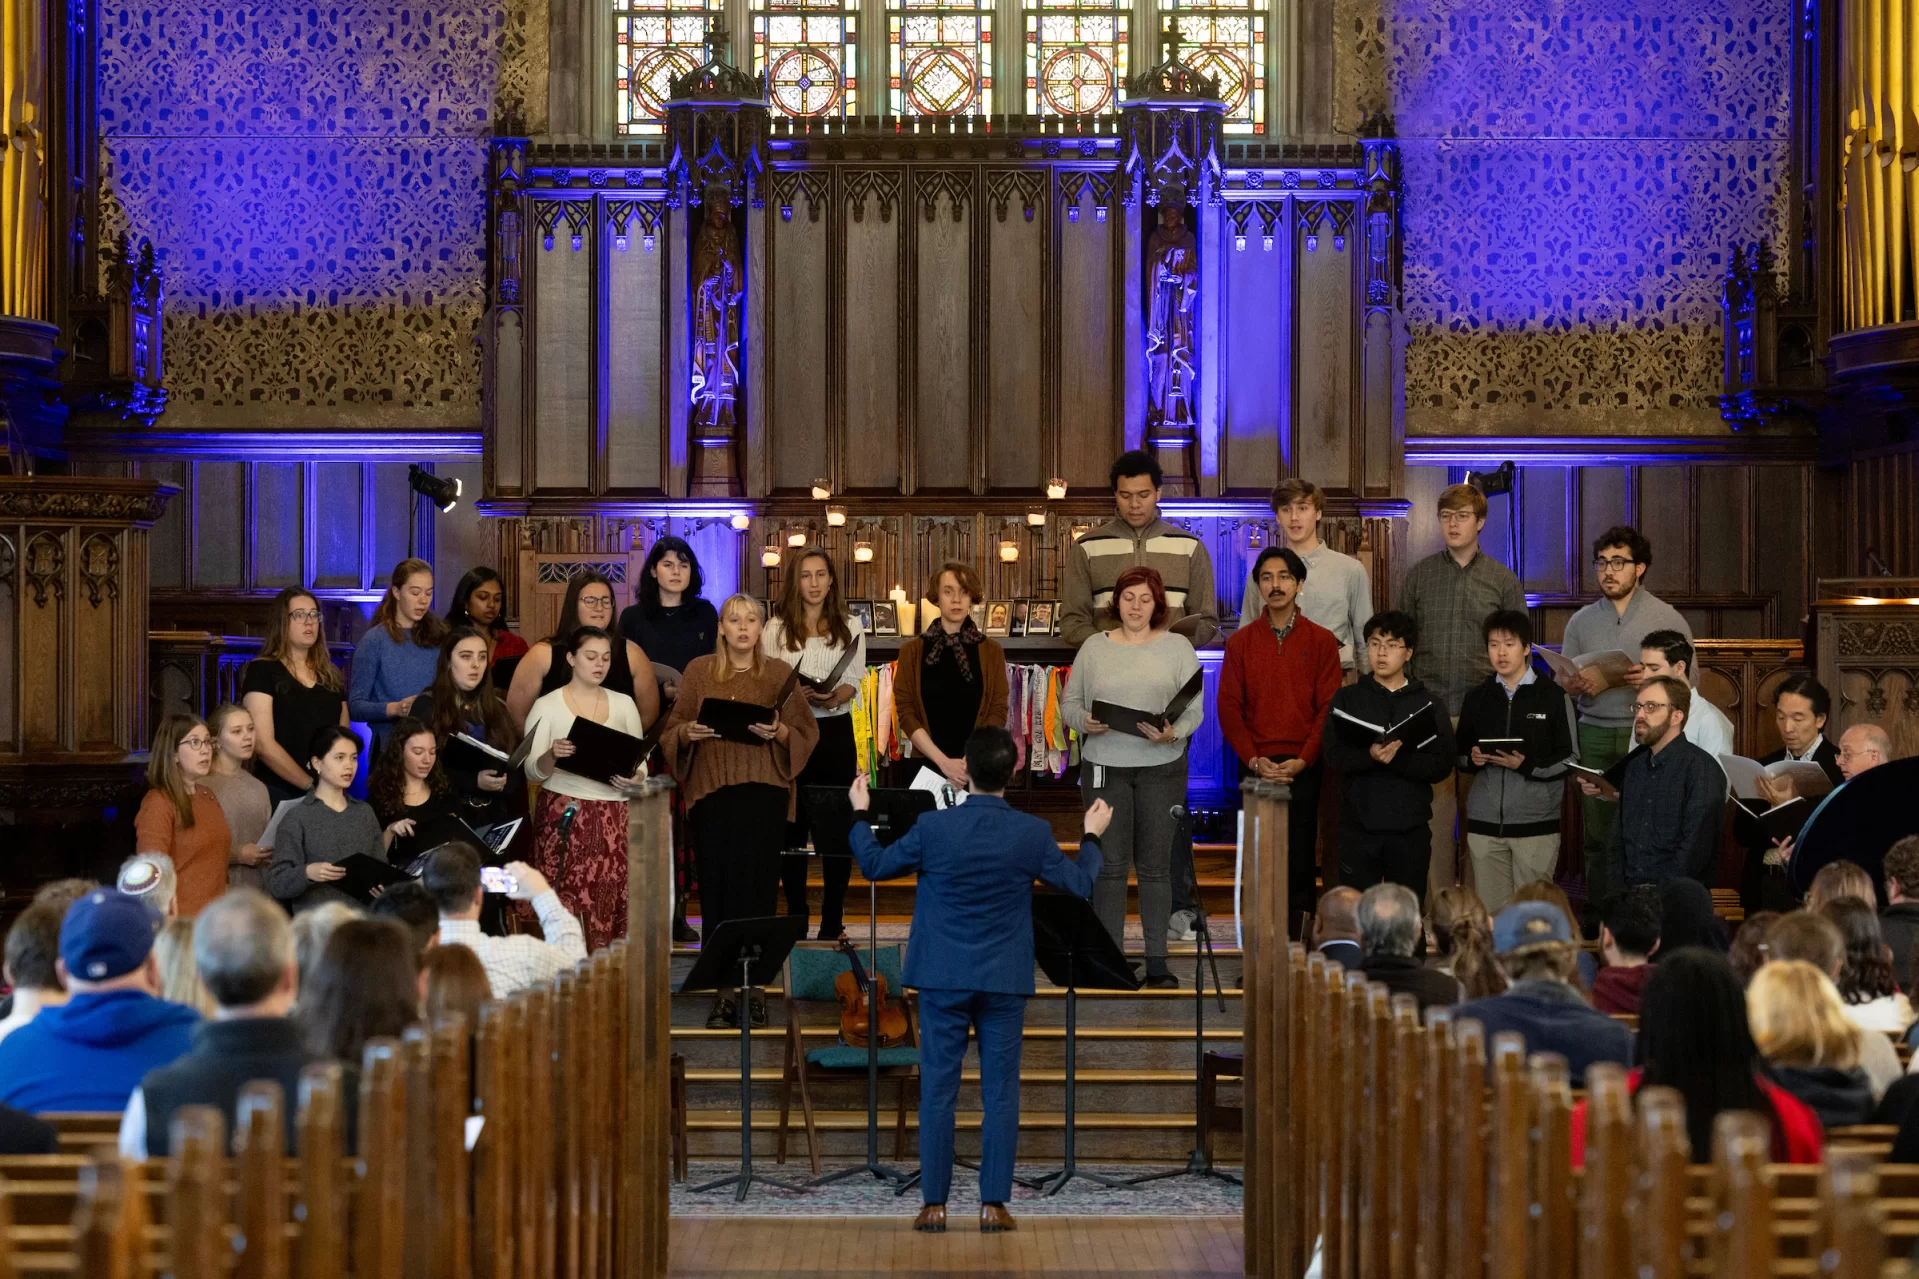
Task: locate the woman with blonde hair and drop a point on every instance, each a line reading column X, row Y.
column 179, row 974
column 395, row 660
column 1802, row 1030
column 1839, row 879
column 292, row 690
column 243, row 797
column 180, row 815
column 739, row 795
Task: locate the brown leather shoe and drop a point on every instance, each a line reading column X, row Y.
column 993, row 1218
column 932, row 1220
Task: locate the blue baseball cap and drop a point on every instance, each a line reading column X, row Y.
column 107, row 934
column 1525, row 923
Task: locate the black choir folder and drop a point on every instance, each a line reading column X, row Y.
column 1128, row 719
column 470, row 753
column 1416, row 730
column 601, row 753
column 365, row 874
column 730, row 719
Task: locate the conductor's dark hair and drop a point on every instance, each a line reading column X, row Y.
column 452, row 875
column 990, row 758
column 1137, row 462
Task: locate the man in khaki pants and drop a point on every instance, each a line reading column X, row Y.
column 1450, row 594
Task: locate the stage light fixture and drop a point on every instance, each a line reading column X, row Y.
column 440, row 490
column 1493, row 483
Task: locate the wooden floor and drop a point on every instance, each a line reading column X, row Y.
column 857, row 1247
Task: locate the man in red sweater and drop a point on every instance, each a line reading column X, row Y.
column 1275, row 686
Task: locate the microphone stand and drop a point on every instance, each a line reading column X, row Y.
column 567, row 816
column 1199, row 1163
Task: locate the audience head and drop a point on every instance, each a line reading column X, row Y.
column 1278, row 574
column 1545, row 890
column 456, row 986
column 1797, row 1019
column 1686, row 917
column 1667, row 653
column 1750, row 946
column 1388, row 920
column 33, row 949
column 1866, row 972
column 1621, row 556
column 1839, row 879
column 1462, row 929
column 243, row 944
column 451, row 878
column 179, row 975
column 1809, row 937
column 1799, row 708
column 410, row 905
column 1629, row 925
column 152, row 878
column 1694, row 1037
column 1462, row 513
column 62, row 893
column 106, row 944
column 312, row 929
column 1660, row 715
column 1390, row 639
column 990, row 759
column 366, row 985
column 1509, row 641
column 1136, row 478
column 670, row 566
column 1902, row 870
column 181, row 757
column 1534, row 942
column 478, row 601
column 1861, row 747
column 1337, row 918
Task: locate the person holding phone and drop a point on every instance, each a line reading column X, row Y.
column 455, row 878
column 739, row 795
column 813, row 634
column 949, row 679
column 463, row 699
column 325, row 828
column 579, row 824
column 1143, row 665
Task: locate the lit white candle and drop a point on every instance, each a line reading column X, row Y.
column 905, row 609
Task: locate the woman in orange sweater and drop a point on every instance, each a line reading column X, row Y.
column 739, row 795
column 180, row 815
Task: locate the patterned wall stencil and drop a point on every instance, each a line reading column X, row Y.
column 1575, row 179
column 313, row 179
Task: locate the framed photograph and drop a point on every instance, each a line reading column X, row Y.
column 979, row 616
column 1018, row 627
column 863, row 610
column 999, row 615
column 1039, row 618
column 886, row 617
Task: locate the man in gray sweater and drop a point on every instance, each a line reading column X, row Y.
column 1621, row 618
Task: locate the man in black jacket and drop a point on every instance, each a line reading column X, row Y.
column 243, row 944
column 1799, row 708
column 1671, row 794
column 1389, row 930
column 1386, row 817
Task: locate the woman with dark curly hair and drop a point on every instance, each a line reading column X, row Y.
column 1866, row 984
column 408, row 788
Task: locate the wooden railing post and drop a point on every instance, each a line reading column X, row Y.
column 1605, row 1235
column 1308, row 986
column 259, row 1150
column 1404, row 1139
column 501, row 1026
column 1851, row 1224
column 568, row 1122
column 1743, row 1242
column 1273, row 1160
column 320, row 1126
column 1375, row 1177
column 1435, row 1143
column 1510, row 1199
column 538, row 1141
column 645, row 1023
column 418, row 1230
column 1555, row 1219
column 1330, row 1112
column 110, row 1219
column 197, row 1193
column 379, row 1218
column 1466, row 1189
column 451, row 1187
column 1665, row 1158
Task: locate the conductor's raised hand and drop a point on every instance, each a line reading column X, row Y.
column 856, row 793
column 1098, row 817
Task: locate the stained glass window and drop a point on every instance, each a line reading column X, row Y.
column 1227, row 39
column 654, row 41
column 939, row 58
column 1075, row 57
column 806, row 49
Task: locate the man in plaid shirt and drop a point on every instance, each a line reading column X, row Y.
column 452, row 875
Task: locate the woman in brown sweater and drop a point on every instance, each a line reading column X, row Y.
column 739, row 796
column 180, row 816
column 949, row 679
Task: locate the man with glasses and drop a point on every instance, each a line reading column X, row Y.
column 1449, row 596
column 1624, row 615
column 1671, row 794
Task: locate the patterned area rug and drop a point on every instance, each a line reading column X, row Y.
column 864, row 1196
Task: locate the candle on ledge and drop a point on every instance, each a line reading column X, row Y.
column 904, row 607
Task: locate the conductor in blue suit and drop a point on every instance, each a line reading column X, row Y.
column 971, row 956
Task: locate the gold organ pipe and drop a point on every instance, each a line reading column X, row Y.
column 23, row 115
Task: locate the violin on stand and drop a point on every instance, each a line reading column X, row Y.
column 855, row 988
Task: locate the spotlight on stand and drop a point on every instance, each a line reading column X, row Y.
column 437, row 489
column 1493, row 483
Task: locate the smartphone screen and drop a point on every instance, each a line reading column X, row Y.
column 495, row 880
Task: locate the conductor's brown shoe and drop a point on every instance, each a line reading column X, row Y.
column 993, row 1218
column 932, row 1220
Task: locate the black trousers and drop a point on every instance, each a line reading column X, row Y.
column 1763, row 887
column 834, row 762
column 1368, row 857
column 737, row 833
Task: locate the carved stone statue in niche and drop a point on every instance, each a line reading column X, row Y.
column 718, row 288
column 1172, row 279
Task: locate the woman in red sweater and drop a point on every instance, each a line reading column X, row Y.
column 1693, row 1038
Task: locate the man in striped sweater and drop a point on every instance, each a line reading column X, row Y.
column 1138, row 536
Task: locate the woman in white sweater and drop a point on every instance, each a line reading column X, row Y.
column 579, row 824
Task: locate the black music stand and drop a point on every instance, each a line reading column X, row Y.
column 1858, row 821
column 1076, row 952
column 891, row 812
column 1199, row 1163
column 751, row 952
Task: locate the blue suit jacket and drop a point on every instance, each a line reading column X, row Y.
column 972, row 912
